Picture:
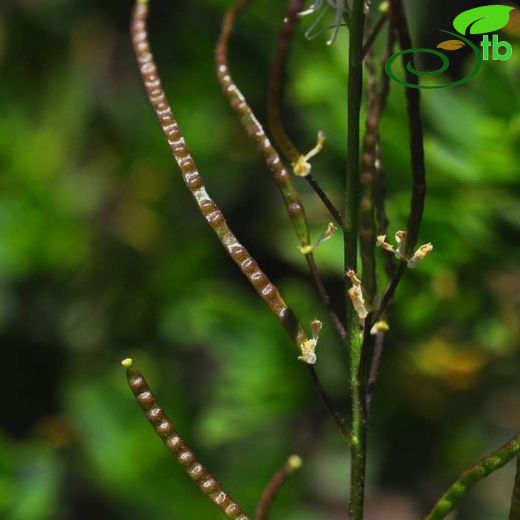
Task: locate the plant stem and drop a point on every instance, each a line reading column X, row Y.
column 351, row 232
column 293, row 464
column 413, row 106
column 489, row 464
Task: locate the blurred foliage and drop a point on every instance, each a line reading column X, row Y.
column 103, row 255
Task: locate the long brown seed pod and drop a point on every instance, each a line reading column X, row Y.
column 193, row 180
column 282, row 178
column 367, row 234
column 293, row 464
column 255, row 130
column 165, row 430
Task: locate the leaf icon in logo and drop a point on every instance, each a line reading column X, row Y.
column 481, row 20
column 451, row 45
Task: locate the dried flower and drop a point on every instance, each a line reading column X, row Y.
column 308, row 347
column 302, row 166
column 400, row 238
column 420, row 255
column 356, row 295
column 326, row 235
column 380, row 326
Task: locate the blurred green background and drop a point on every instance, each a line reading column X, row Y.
column 103, row 255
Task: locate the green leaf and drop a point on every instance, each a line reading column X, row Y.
column 482, row 20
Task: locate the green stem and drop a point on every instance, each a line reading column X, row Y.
column 489, row 464
column 351, row 232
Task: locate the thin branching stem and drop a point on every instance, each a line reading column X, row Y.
column 195, row 184
column 164, row 428
column 374, row 33
column 479, row 471
column 351, row 233
column 272, row 489
column 276, row 83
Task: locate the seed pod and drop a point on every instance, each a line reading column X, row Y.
column 193, row 180
column 255, row 130
column 186, row 458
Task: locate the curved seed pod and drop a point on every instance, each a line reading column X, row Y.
column 482, row 469
column 166, row 431
column 282, row 178
column 193, row 180
column 367, row 233
column 255, row 130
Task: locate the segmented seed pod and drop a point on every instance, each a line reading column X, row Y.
column 255, row 130
column 171, row 439
column 194, row 182
column 367, row 230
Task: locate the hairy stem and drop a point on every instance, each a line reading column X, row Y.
column 351, row 232
column 165, row 430
column 293, row 464
column 489, row 464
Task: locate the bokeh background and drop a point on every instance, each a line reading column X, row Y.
column 103, row 255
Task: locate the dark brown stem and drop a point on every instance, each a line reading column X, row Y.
column 390, row 291
column 379, row 177
column 275, row 484
column 315, row 185
column 338, row 420
column 375, row 363
column 325, row 298
column 413, row 103
column 275, row 97
column 371, row 38
column 275, row 87
column 165, row 430
column 194, row 182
